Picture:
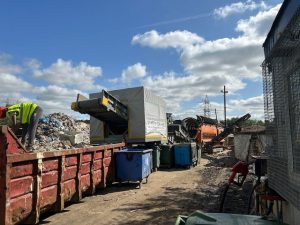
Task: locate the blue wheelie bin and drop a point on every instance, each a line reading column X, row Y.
column 185, row 155
column 133, row 165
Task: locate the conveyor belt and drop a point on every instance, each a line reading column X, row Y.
column 105, row 108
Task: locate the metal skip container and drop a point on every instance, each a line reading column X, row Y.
column 33, row 183
column 147, row 120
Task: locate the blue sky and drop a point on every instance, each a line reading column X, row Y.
column 182, row 50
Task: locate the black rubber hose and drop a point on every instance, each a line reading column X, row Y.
column 223, row 196
column 256, row 201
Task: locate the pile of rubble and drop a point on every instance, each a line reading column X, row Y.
column 58, row 131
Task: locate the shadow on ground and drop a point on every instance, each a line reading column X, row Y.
column 166, row 206
column 44, row 216
column 173, row 201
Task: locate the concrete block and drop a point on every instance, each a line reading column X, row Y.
column 73, row 137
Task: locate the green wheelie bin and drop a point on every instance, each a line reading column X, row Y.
column 156, row 158
column 166, row 156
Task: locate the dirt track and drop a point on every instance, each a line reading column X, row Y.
column 167, row 194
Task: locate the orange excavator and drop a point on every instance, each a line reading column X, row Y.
column 206, row 133
column 207, row 130
column 202, row 129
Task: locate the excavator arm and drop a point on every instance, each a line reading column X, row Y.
column 228, row 130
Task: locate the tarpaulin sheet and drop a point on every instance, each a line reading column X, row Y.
column 241, row 146
column 266, row 142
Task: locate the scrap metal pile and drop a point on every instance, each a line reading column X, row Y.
column 58, row 131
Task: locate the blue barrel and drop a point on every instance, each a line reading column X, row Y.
column 133, row 164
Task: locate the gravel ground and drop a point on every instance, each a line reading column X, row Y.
column 167, row 194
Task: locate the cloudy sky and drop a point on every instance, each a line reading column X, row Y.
column 182, row 50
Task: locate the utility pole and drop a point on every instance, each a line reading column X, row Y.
column 224, row 92
column 217, row 123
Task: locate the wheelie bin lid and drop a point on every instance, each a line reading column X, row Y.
column 200, row 217
column 135, row 150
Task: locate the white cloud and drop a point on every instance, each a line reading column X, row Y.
column 13, row 88
column 6, row 66
column 133, row 72
column 32, row 64
column 235, row 108
column 173, row 39
column 113, row 80
column 11, row 83
column 256, row 26
column 136, row 71
column 239, row 7
column 53, row 98
column 238, row 57
column 253, row 105
column 177, row 89
column 65, row 73
column 198, row 109
column 210, row 64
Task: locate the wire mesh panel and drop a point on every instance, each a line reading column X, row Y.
column 281, row 83
column 269, row 106
column 294, row 93
column 280, row 105
column 268, row 92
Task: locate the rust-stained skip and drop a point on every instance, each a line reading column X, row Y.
column 33, row 183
